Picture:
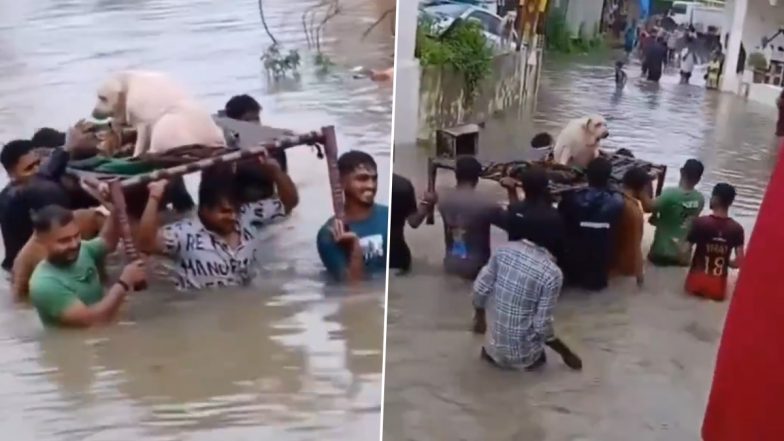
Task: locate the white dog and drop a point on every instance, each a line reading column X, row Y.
column 164, row 115
column 579, row 142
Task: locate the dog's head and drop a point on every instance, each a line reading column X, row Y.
column 111, row 97
column 596, row 128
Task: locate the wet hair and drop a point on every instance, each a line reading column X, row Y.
column 239, row 105
column 218, row 185
column 177, row 193
column 13, row 151
column 598, row 172
column 51, row 216
column 724, row 194
column 636, row 178
column 692, row 170
column 624, row 152
column 542, row 139
column 48, row 137
column 467, row 170
column 352, row 160
column 253, row 181
column 536, row 184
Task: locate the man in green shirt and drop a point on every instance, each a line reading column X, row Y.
column 673, row 212
column 66, row 288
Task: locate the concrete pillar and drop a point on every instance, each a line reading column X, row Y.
column 726, row 26
column 407, row 74
column 730, row 79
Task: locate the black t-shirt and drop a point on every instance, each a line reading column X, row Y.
column 538, row 222
column 590, row 216
column 18, row 201
column 404, row 204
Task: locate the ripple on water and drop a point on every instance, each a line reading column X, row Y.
column 289, row 353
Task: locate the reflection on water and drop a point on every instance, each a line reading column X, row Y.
column 292, row 358
column 648, row 353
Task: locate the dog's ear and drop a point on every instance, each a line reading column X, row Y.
column 587, row 124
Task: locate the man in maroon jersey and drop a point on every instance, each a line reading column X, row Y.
column 714, row 236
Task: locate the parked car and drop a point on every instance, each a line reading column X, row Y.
column 489, row 5
column 443, row 14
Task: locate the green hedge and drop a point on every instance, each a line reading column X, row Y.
column 462, row 48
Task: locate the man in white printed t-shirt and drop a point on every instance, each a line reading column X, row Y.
column 218, row 247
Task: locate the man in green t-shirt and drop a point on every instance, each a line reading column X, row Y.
column 673, row 212
column 66, row 288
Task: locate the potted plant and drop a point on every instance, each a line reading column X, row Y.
column 759, row 65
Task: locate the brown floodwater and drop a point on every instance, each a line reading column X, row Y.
column 290, row 358
column 648, row 354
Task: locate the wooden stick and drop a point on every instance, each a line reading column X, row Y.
column 91, row 186
column 432, row 171
column 660, row 184
column 237, row 155
column 123, row 225
column 331, row 155
column 116, row 186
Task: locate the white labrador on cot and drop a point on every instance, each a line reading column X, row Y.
column 579, row 142
column 164, row 115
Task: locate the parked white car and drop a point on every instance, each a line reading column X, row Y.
column 443, row 14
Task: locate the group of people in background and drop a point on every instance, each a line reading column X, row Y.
column 589, row 236
column 679, row 48
column 57, row 236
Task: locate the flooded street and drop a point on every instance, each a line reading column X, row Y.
column 291, row 358
column 648, row 354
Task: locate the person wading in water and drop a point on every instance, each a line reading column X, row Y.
column 467, row 217
column 66, row 288
column 714, row 238
column 673, row 212
column 519, row 288
column 405, row 209
column 219, row 246
column 655, row 57
column 356, row 248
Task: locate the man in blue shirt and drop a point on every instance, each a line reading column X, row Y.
column 356, row 247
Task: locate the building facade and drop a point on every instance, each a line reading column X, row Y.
column 581, row 15
column 407, row 74
column 759, row 26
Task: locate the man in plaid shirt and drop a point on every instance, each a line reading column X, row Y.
column 519, row 288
